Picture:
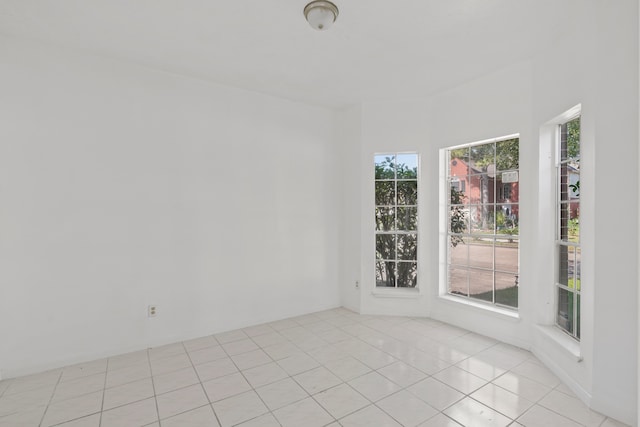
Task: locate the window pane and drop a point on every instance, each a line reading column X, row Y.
column 407, row 192
column 385, row 273
column 481, row 284
column 578, row 262
column 578, row 316
column 564, row 317
column 385, row 166
column 407, row 274
column 482, row 156
column 407, row 246
column 407, row 166
column 507, row 289
column 458, row 188
column 507, row 219
column 458, row 219
column 385, row 219
column 408, row 219
column 459, row 254
column 385, row 193
column 569, row 222
column 507, row 154
column 458, row 161
column 478, row 191
column 565, row 265
column 386, row 246
column 482, row 219
column 458, row 281
column 507, row 256
column 481, row 253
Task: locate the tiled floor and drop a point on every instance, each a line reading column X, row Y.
column 333, row 368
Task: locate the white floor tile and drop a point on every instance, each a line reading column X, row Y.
column 369, row 417
column 217, row 368
column 374, row 386
column 522, row 386
column 90, row 421
column 230, row 336
column 236, row 409
column 402, row 374
column 539, row 416
column 328, row 369
column 79, row 386
column 460, row 379
column 341, row 400
column 303, row 413
column 347, row 368
column 440, row 420
column 406, row 408
column 238, row 347
column 572, row 408
column 30, row 418
column 175, row 380
column 224, row 387
column 200, row 343
column 436, row 393
column 131, row 415
column 266, row 420
column 298, row 363
column 281, row 393
column 537, row 372
column 251, row 359
column 128, row 393
column 170, row 364
column 182, row 400
column 317, row 380
column 501, row 400
column 480, row 368
column 469, row 412
column 71, row 409
column 200, row 417
column 208, row 354
column 264, row 374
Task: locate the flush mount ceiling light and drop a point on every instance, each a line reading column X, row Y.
column 321, row 14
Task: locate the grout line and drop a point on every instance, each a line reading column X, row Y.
column 153, row 385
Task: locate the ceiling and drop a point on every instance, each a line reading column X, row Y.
column 376, row 50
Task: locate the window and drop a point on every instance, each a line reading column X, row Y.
column 396, row 212
column 568, row 228
column 483, row 236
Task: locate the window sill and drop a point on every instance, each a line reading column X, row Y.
column 561, row 339
column 396, row 293
column 502, row 312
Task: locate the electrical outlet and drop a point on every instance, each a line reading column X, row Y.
column 357, row 284
column 152, row 311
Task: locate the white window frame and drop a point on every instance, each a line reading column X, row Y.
column 559, row 243
column 395, row 206
column 492, row 306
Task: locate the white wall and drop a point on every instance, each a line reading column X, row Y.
column 596, row 65
column 349, row 137
column 123, row 187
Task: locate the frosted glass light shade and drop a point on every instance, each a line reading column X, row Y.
column 321, row 14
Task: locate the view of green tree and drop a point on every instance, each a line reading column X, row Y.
column 505, row 155
column 396, row 199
